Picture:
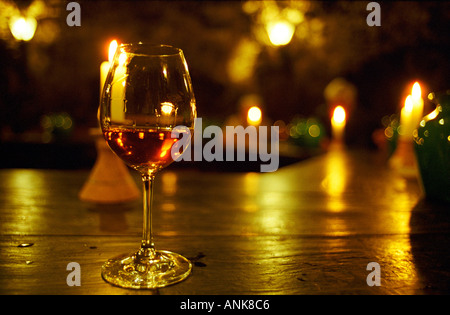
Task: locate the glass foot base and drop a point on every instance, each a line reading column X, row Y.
column 134, row 271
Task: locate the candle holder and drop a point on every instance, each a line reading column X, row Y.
column 109, row 181
column 403, row 159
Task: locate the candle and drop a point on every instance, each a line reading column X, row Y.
column 118, row 90
column 411, row 113
column 417, row 100
column 254, row 115
column 338, row 123
column 104, row 68
column 406, row 118
column 22, row 28
column 118, row 86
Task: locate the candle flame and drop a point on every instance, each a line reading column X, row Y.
column 409, row 105
column 112, row 50
column 416, row 91
column 122, row 59
column 23, row 28
column 280, row 33
column 254, row 115
column 167, row 108
column 338, row 115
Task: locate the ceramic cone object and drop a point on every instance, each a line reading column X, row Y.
column 110, row 180
column 404, row 159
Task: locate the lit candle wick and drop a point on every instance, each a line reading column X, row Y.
column 338, row 122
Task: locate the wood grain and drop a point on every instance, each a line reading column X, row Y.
column 309, row 228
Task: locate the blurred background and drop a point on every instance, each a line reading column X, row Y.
column 294, row 60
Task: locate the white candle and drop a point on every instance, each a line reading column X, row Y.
column 406, row 118
column 118, row 86
column 417, row 104
column 411, row 113
column 118, row 90
column 104, row 67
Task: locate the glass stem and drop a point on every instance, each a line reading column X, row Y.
column 147, row 246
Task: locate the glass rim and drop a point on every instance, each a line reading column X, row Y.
column 152, row 50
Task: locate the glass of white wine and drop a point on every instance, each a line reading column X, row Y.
column 148, row 92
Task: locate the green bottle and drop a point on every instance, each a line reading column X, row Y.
column 432, row 147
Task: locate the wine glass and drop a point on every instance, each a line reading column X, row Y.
column 147, row 93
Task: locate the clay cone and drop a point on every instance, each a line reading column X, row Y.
column 404, row 159
column 110, row 180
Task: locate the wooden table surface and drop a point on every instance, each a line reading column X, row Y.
column 309, row 228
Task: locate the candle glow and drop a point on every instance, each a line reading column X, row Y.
column 416, row 92
column 118, row 87
column 254, row 115
column 339, row 115
column 112, row 50
column 23, row 28
column 104, row 68
column 167, row 108
column 411, row 113
column 338, row 122
column 280, row 33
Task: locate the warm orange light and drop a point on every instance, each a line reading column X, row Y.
column 112, row 50
column 417, row 100
column 23, row 28
column 166, row 146
column 254, row 115
column 338, row 116
column 104, row 67
column 167, row 108
column 416, row 91
column 280, row 33
column 431, row 115
column 411, row 113
column 122, row 59
column 409, row 105
column 338, row 123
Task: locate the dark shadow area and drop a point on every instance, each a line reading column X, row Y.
column 430, row 245
column 49, row 86
column 72, row 155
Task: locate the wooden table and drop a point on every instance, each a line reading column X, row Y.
column 312, row 227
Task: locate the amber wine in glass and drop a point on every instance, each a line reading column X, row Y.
column 147, row 93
